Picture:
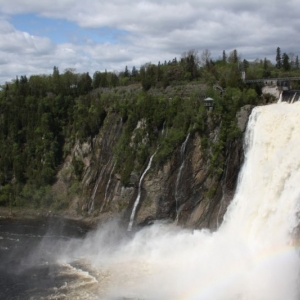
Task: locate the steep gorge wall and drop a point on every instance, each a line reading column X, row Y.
column 183, row 189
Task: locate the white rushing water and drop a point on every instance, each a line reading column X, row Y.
column 137, row 200
column 182, row 160
column 293, row 99
column 92, row 200
column 252, row 256
column 107, row 187
column 280, row 98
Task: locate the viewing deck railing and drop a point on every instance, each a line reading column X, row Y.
column 272, row 79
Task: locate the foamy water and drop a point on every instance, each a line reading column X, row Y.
column 253, row 255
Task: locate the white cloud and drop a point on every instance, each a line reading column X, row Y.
column 155, row 30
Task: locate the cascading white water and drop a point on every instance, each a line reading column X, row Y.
column 163, row 129
column 182, row 159
column 136, row 203
column 92, row 200
column 293, row 99
column 268, row 193
column 280, row 98
column 106, row 146
column 107, row 187
column 254, row 254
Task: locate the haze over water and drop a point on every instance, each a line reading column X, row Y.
column 253, row 255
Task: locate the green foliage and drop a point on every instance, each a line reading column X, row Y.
column 286, row 62
column 155, row 123
column 78, row 167
column 35, row 197
column 278, row 58
column 42, row 116
column 6, row 192
column 211, row 192
column 174, row 138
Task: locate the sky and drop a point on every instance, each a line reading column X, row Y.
column 94, row 35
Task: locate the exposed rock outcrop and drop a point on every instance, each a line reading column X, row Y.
column 202, row 197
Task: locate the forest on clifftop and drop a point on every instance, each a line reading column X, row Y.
column 43, row 116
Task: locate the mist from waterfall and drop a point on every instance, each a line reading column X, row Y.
column 254, row 255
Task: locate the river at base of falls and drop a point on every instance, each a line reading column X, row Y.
column 160, row 262
column 28, row 260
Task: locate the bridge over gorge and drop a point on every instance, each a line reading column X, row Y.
column 281, row 88
column 271, row 81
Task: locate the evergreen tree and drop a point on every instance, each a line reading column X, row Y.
column 134, row 72
column 56, row 80
column 297, row 62
column 245, row 64
column 233, row 57
column 126, row 72
column 114, row 80
column 85, row 83
column 96, row 79
column 265, row 64
column 104, row 80
column 159, row 72
column 224, row 57
column 286, row 62
column 266, row 71
column 190, row 62
column 278, row 58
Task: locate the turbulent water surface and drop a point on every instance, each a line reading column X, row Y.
column 254, row 255
column 28, row 257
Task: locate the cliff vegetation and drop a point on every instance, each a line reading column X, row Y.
column 72, row 142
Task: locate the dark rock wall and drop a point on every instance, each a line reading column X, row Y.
column 192, row 206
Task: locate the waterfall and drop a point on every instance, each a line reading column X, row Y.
column 280, row 98
column 267, row 197
column 293, row 99
column 107, row 187
column 92, row 200
column 139, row 193
column 163, row 129
column 182, row 160
column 254, row 254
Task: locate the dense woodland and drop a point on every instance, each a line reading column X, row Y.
column 41, row 117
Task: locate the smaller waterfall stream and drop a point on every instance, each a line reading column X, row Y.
column 182, row 159
column 91, row 203
column 293, row 99
column 163, row 129
column 139, row 193
column 280, row 98
column 107, row 187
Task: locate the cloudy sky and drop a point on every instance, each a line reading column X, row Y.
column 91, row 35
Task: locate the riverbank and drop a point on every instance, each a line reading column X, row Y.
column 17, row 213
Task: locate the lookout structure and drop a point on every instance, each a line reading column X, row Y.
column 209, row 103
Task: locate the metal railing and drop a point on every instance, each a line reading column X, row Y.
column 272, row 79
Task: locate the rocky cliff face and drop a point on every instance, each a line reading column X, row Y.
column 183, row 189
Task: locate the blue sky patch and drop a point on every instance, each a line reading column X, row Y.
column 62, row 31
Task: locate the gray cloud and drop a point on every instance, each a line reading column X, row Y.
column 156, row 30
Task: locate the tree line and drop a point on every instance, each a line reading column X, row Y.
column 42, row 116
